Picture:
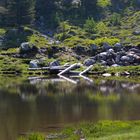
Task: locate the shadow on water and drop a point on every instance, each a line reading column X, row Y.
column 46, row 104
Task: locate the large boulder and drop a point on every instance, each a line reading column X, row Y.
column 102, row 56
column 89, row 62
column 125, row 58
column 26, row 48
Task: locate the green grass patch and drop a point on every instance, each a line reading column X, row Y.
column 102, row 130
column 38, row 40
column 2, row 31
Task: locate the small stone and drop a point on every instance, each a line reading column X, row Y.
column 115, row 65
column 106, row 74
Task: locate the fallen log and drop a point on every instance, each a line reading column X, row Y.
column 86, row 70
column 73, row 66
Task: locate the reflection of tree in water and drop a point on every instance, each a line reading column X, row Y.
column 28, row 91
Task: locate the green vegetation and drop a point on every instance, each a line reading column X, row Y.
column 103, row 3
column 103, row 130
column 134, row 70
column 38, row 40
column 34, row 136
column 90, row 25
column 2, row 31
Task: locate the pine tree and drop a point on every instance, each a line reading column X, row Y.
column 21, row 12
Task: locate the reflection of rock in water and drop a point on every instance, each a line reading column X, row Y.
column 59, row 87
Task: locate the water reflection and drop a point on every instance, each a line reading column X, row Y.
column 43, row 104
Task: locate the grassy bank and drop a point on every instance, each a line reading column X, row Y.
column 104, row 130
column 11, row 64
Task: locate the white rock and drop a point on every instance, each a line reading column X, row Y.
column 106, row 74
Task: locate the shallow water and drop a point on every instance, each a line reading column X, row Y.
column 48, row 104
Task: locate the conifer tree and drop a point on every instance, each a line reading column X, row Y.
column 20, row 12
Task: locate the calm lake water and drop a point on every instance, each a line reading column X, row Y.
column 48, row 104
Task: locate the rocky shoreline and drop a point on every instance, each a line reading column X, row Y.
column 116, row 55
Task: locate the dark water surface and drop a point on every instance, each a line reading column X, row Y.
column 48, row 104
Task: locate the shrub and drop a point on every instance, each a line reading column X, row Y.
column 2, row 31
column 103, row 3
column 90, row 25
column 110, row 41
column 115, row 19
column 102, row 28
